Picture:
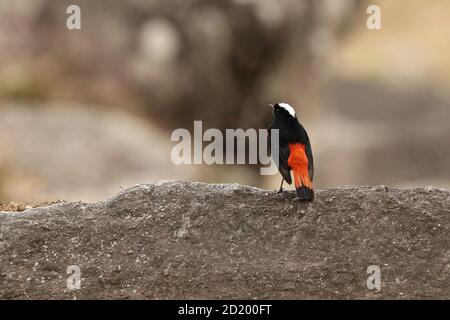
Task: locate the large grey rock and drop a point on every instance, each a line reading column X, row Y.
column 194, row 240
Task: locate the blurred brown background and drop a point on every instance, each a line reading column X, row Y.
column 84, row 112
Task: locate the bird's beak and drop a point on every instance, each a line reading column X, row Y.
column 270, row 105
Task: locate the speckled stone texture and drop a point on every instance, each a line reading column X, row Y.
column 194, row 240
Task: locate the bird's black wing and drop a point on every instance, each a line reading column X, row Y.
column 283, row 164
column 309, row 155
column 284, row 153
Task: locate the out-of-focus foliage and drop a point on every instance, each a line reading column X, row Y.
column 219, row 61
column 83, row 112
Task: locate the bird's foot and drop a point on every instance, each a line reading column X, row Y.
column 280, row 191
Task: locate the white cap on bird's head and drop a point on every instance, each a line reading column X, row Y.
column 288, row 108
column 285, row 106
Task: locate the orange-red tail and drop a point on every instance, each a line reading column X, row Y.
column 298, row 162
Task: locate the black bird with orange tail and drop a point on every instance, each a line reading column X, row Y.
column 295, row 153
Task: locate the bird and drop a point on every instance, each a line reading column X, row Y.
column 295, row 152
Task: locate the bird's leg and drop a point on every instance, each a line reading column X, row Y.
column 281, row 187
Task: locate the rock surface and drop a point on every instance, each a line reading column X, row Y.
column 195, row 240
